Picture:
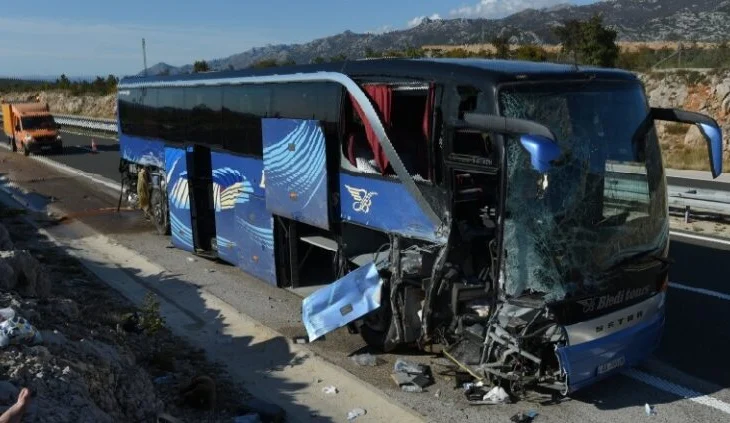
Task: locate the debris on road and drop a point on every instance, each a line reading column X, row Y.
column 411, row 377
column 329, row 390
column 524, row 417
column 650, row 410
column 355, row 413
column 366, row 359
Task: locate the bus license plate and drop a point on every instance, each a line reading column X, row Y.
column 611, row 365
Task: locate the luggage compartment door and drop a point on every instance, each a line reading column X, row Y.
column 295, row 169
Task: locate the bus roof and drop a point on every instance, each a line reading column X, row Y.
column 430, row 68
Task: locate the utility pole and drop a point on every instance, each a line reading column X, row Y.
column 144, row 57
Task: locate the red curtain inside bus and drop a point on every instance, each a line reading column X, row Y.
column 381, row 97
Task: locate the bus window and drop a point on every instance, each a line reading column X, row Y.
column 149, row 123
column 243, row 108
column 130, row 111
column 204, row 105
column 172, row 116
column 406, row 113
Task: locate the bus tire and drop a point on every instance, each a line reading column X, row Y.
column 160, row 212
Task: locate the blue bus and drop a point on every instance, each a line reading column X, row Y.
column 513, row 214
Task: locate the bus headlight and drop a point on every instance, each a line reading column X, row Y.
column 58, row 138
column 28, row 138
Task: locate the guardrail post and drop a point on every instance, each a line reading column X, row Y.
column 686, row 214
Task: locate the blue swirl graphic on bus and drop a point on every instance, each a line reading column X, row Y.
column 230, row 187
column 296, row 172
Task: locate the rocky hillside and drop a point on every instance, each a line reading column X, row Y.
column 62, row 102
column 635, row 20
column 705, row 92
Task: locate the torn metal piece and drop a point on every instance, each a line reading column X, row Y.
column 343, row 301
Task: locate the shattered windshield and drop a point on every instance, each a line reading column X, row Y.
column 38, row 122
column 604, row 202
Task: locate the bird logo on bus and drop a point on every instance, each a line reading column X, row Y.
column 362, row 199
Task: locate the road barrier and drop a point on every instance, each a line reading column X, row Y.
column 96, row 124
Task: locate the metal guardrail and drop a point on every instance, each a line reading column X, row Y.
column 97, row 124
column 687, row 199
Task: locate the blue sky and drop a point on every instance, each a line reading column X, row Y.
column 80, row 37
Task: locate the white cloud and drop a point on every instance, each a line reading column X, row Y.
column 45, row 46
column 418, row 19
column 501, row 8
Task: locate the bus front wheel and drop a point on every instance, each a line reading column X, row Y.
column 158, row 204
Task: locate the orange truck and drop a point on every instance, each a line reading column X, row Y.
column 30, row 127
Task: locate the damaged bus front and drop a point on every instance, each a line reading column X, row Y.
column 553, row 265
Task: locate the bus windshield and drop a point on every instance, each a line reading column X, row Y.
column 602, row 204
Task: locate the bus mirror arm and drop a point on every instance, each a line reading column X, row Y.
column 537, row 139
column 708, row 127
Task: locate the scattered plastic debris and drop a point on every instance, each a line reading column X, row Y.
column 497, row 395
column 438, row 393
column 15, row 330
column 650, row 410
column 403, row 366
column 329, row 390
column 366, row 359
column 409, row 376
column 524, row 417
column 355, row 413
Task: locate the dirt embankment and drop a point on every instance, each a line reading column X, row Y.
column 78, row 347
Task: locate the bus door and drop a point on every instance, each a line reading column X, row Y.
column 202, row 209
column 176, row 164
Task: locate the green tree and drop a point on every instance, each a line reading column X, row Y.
column 288, row 62
column 589, row 42
column 63, row 82
column 501, row 47
column 200, row 66
column 339, row 58
column 599, row 43
column 318, row 60
column 370, row 53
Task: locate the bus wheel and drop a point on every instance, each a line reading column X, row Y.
column 158, row 204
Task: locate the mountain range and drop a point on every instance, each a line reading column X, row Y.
column 634, row 20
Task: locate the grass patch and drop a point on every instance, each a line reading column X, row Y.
column 675, row 128
column 683, row 157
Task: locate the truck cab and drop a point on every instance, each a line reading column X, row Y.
column 30, row 127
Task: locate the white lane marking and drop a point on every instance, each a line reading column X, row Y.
column 678, row 390
column 700, row 238
column 73, row 171
column 715, row 294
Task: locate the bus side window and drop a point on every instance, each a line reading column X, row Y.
column 407, row 112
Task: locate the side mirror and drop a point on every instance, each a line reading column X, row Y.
column 543, row 151
column 708, row 127
column 537, row 139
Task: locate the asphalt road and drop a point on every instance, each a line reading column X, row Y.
column 687, row 380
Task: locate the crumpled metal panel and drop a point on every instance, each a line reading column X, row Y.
column 343, row 301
